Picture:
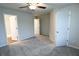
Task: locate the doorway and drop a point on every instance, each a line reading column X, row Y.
column 36, row 26
column 11, row 28
column 62, row 27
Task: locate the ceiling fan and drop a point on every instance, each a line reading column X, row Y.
column 33, row 6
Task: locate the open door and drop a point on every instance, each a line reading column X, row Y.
column 11, row 28
column 36, row 26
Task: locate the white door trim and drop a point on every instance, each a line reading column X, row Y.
column 68, row 29
column 16, row 24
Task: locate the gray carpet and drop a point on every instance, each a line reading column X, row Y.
column 37, row 46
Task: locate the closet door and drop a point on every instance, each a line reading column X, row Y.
column 62, row 23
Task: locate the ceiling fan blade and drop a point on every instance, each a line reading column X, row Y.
column 41, row 7
column 23, row 7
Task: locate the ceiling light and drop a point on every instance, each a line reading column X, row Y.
column 32, row 7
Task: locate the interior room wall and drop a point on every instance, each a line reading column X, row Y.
column 25, row 24
column 3, row 41
column 44, row 24
column 74, row 28
column 52, row 27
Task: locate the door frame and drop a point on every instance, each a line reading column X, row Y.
column 5, row 26
column 68, row 29
column 37, row 19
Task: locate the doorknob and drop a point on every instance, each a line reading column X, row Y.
column 57, row 31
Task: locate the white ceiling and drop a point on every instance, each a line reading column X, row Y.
column 50, row 6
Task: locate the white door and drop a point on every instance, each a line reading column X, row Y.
column 62, row 27
column 36, row 27
column 14, row 27
column 11, row 26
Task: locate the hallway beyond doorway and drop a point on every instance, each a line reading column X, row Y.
column 11, row 28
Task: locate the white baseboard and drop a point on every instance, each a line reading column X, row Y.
column 73, row 46
column 3, row 45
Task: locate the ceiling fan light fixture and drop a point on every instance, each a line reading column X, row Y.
column 32, row 7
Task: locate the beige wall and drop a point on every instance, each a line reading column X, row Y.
column 52, row 27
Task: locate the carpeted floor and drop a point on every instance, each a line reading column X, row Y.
column 37, row 46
